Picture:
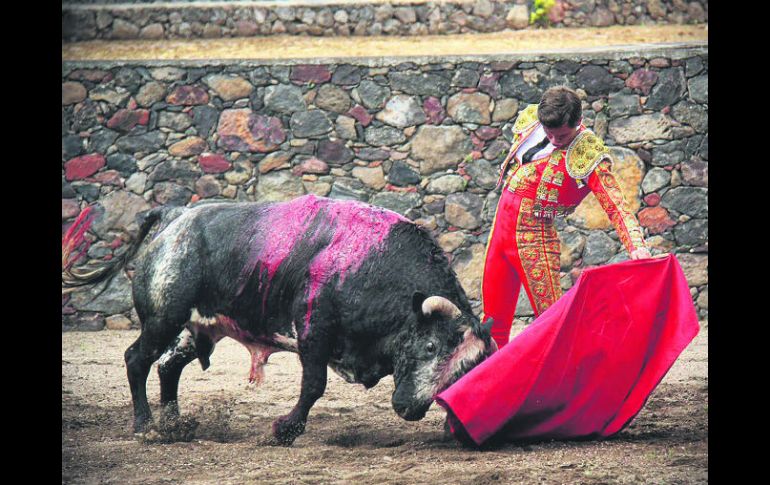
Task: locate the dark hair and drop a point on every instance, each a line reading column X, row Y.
column 559, row 106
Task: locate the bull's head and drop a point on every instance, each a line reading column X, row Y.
column 438, row 345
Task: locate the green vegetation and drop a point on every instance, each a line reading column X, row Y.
column 540, row 10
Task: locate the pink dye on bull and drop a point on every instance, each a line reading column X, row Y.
column 293, row 218
column 357, row 229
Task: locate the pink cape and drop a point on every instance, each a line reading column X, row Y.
column 586, row 366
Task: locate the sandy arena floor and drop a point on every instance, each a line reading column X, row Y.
column 353, row 435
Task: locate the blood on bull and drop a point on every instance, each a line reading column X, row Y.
column 343, row 284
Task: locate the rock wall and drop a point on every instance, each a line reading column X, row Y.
column 421, row 137
column 145, row 20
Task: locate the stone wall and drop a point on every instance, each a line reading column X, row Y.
column 330, row 18
column 418, row 136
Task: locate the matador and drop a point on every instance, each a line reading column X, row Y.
column 552, row 165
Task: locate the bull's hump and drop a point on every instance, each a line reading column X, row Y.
column 354, row 230
column 366, row 212
column 349, row 229
column 348, row 224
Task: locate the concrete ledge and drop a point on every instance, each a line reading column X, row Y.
column 615, row 53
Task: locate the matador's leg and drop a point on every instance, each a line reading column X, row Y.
column 538, row 258
column 501, row 282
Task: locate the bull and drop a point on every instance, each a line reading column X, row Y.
column 343, row 284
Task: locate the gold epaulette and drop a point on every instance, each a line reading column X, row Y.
column 526, row 118
column 584, row 154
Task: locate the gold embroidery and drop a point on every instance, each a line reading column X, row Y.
column 614, row 204
column 553, row 195
column 526, row 118
column 539, row 251
column 547, row 174
column 523, row 127
column 549, row 212
column 546, row 194
column 537, row 273
column 584, row 154
column 522, row 176
column 528, row 237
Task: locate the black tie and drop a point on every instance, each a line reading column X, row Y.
column 532, row 151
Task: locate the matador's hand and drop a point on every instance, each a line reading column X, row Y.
column 641, row 253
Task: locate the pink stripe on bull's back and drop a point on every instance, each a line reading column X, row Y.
column 275, row 234
column 356, row 229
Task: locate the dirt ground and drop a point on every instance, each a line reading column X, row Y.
column 353, row 435
column 293, row 47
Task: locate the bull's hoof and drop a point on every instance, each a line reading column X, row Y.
column 143, row 428
column 142, row 424
column 150, row 436
column 286, row 430
column 169, row 411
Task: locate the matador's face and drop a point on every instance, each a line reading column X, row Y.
column 562, row 136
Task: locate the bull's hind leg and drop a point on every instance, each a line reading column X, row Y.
column 162, row 320
column 165, row 287
column 185, row 348
column 137, row 378
column 155, row 338
column 170, row 366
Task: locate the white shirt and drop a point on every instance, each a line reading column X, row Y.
column 535, row 138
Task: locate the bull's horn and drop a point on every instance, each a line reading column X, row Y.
column 439, row 304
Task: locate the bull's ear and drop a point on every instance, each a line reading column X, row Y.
column 485, row 329
column 417, row 299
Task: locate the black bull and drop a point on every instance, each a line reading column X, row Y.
column 343, row 284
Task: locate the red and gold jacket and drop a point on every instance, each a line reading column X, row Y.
column 559, row 182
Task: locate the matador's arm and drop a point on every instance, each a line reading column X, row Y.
column 607, row 191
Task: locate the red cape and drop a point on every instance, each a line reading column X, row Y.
column 586, row 366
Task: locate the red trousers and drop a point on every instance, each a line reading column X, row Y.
column 522, row 250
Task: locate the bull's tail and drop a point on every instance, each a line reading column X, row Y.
column 72, row 278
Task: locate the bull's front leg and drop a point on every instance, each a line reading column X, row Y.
column 314, row 356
